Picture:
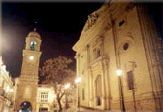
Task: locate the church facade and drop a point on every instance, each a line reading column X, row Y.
column 120, row 36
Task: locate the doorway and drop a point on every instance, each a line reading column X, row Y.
column 26, row 106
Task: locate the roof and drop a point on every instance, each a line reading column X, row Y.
column 34, row 34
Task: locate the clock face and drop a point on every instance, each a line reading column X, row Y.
column 31, row 58
column 33, row 45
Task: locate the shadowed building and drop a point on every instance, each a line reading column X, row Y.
column 120, row 36
column 27, row 84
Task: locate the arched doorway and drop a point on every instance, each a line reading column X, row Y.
column 26, row 106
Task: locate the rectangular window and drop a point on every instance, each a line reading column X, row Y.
column 130, row 80
column 44, row 96
column 98, row 100
column 98, row 53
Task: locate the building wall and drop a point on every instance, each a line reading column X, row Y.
column 6, row 89
column 114, row 37
column 45, row 97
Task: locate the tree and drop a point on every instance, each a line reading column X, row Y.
column 57, row 72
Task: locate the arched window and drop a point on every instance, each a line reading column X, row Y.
column 98, row 90
column 98, row 52
column 32, row 45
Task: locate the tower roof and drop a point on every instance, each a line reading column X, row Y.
column 34, row 34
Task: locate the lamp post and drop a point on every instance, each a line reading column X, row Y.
column 77, row 81
column 119, row 74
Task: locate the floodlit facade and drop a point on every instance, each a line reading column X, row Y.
column 6, row 89
column 120, row 36
column 27, row 84
column 45, row 98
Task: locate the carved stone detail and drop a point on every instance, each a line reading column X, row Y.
column 92, row 18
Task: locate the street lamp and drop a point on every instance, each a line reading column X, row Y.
column 119, row 74
column 77, row 81
column 67, row 86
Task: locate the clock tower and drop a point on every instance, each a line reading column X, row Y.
column 26, row 91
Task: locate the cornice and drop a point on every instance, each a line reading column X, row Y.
column 99, row 22
column 101, row 26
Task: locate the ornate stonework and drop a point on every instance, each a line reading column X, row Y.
column 121, row 36
column 92, row 18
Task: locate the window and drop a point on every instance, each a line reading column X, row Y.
column 44, row 96
column 98, row 100
column 98, row 90
column 98, row 53
column 42, row 109
column 125, row 46
column 121, row 23
column 32, row 45
column 130, row 80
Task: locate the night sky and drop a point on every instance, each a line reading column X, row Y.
column 59, row 25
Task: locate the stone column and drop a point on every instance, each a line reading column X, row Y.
column 77, row 57
column 91, row 100
column 88, row 75
column 88, row 56
column 106, row 83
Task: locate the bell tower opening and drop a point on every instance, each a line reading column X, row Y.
column 33, row 45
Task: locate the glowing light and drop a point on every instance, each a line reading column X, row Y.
column 67, row 86
column 31, row 58
column 119, row 72
column 7, row 89
column 3, row 67
column 11, row 90
column 78, row 80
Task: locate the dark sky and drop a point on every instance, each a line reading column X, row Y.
column 59, row 24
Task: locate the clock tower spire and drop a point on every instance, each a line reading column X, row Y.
column 28, row 81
